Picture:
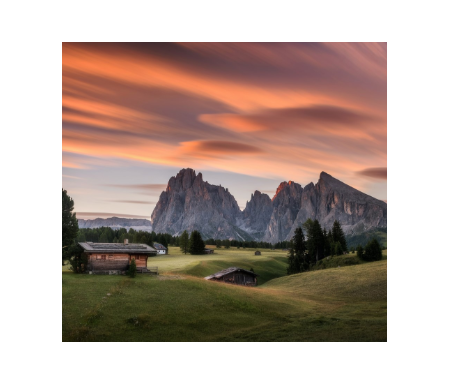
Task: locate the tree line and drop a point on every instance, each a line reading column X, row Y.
column 306, row 251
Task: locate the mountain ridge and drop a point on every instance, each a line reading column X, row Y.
column 189, row 203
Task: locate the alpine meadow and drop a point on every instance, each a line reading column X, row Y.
column 220, row 192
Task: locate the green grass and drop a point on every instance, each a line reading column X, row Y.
column 269, row 265
column 334, row 304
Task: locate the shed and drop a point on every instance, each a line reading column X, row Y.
column 258, row 253
column 109, row 257
column 235, row 275
column 208, row 250
column 160, row 249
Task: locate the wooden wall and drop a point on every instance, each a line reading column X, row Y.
column 116, row 261
column 141, row 260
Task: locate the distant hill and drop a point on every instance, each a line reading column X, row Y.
column 363, row 238
column 117, row 223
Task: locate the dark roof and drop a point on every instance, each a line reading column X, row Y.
column 117, row 248
column 159, row 247
column 228, row 271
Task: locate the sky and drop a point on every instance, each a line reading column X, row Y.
column 247, row 115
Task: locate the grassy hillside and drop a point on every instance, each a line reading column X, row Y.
column 335, row 304
column 269, row 265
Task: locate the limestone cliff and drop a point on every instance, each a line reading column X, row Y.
column 190, row 203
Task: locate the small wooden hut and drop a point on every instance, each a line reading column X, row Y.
column 235, row 275
column 208, row 250
column 257, row 253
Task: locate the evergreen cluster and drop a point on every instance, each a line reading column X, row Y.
column 219, row 243
column 371, row 252
column 303, row 253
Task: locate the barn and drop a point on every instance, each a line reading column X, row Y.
column 235, row 275
column 116, row 257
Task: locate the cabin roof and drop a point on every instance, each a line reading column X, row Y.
column 159, row 247
column 228, row 271
column 117, row 248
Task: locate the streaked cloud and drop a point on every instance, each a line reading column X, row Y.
column 376, row 173
column 145, row 187
column 104, row 215
column 133, row 201
column 284, row 111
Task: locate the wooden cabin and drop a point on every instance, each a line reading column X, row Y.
column 235, row 275
column 116, row 257
column 257, row 253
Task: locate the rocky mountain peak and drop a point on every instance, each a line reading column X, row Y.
column 279, row 189
column 190, row 203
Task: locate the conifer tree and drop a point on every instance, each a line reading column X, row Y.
column 297, row 260
column 338, row 235
column 69, row 224
column 196, row 244
column 316, row 240
column 184, row 242
column 372, row 251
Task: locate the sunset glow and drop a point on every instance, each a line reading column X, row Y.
column 248, row 116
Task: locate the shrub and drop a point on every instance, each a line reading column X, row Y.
column 78, row 263
column 360, row 252
column 372, row 251
column 132, row 269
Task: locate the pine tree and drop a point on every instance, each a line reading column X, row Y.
column 338, row 235
column 316, row 240
column 103, row 237
column 327, row 244
column 338, row 249
column 184, row 242
column 196, row 244
column 69, row 224
column 297, row 259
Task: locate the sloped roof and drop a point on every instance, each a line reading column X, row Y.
column 159, row 246
column 117, row 248
column 228, row 271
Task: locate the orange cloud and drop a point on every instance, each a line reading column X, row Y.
column 217, row 148
column 376, row 173
column 278, row 110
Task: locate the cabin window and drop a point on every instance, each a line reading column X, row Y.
column 103, row 257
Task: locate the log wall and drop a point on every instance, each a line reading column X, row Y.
column 117, row 261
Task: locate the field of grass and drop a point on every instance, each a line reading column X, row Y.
column 269, row 265
column 348, row 303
